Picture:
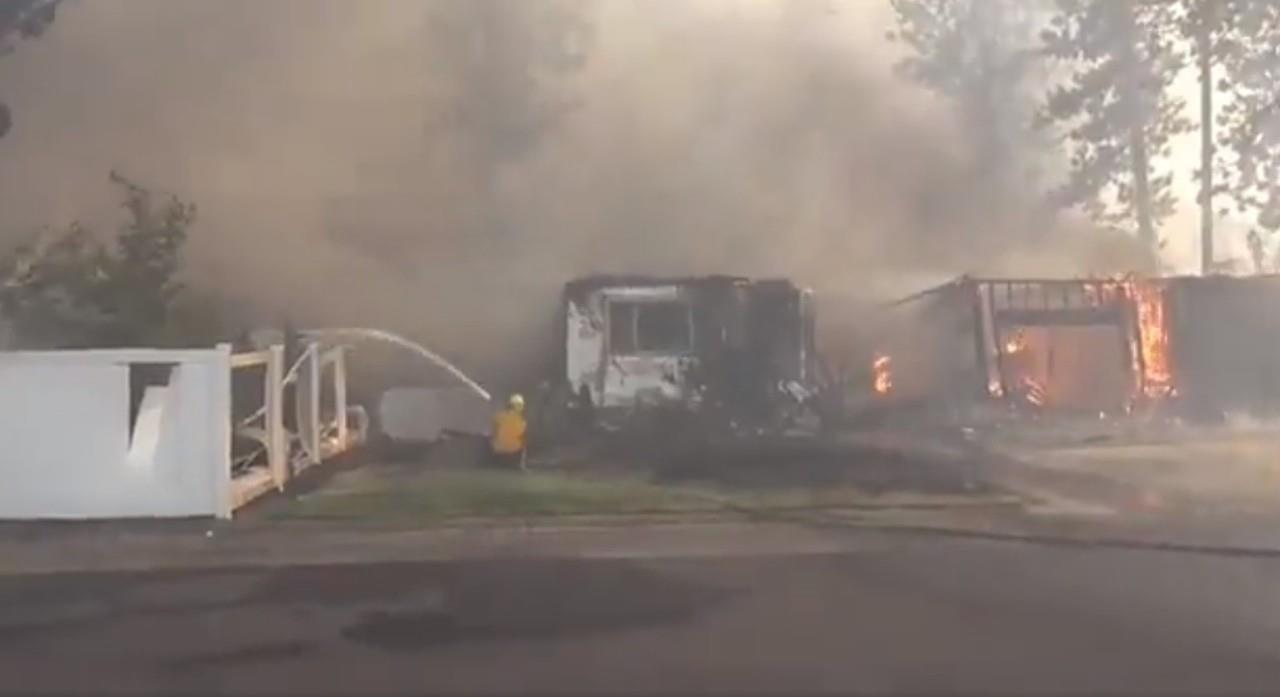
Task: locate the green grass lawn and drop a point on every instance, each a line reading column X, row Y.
column 445, row 495
column 456, row 494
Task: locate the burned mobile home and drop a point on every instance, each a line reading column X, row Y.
column 1196, row 346
column 737, row 350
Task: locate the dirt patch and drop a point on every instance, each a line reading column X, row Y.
column 871, row 468
column 441, row 495
column 1209, row 473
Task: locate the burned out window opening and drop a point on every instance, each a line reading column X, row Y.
column 650, row 327
column 622, row 327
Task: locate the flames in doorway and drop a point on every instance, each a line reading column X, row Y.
column 1031, row 388
column 1153, row 338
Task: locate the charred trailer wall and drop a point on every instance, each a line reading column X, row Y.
column 639, row 339
column 952, row 366
column 780, row 320
column 932, row 344
column 1225, row 341
column 753, row 337
column 629, row 339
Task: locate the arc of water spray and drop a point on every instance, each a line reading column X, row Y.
column 380, row 335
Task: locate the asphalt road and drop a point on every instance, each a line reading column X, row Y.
column 889, row 613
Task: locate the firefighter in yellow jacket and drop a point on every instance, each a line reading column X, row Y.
column 507, row 443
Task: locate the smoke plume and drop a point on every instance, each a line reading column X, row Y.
column 441, row 168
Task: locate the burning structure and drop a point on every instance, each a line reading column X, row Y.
column 1204, row 345
column 737, row 349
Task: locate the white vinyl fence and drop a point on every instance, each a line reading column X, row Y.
column 72, row 447
column 134, row 433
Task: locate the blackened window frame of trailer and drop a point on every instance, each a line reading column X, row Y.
column 643, row 326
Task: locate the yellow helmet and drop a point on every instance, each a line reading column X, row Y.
column 516, row 401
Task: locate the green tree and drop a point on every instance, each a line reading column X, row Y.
column 47, row 291
column 141, row 284
column 1218, row 34
column 1247, row 55
column 981, row 56
column 1114, row 107
column 22, row 19
column 1204, row 23
column 75, row 290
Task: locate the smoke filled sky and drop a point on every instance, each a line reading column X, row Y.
column 441, row 168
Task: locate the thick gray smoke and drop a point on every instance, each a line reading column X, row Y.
column 441, row 168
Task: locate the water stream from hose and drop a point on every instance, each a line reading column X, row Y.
column 388, row 337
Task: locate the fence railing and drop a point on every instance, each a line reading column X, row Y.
column 285, row 442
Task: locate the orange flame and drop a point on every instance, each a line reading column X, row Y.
column 1153, row 339
column 1035, row 392
column 882, row 374
column 1091, row 295
column 1015, row 343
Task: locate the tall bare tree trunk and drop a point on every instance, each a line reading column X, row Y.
column 1132, row 95
column 1142, row 187
column 1203, row 46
